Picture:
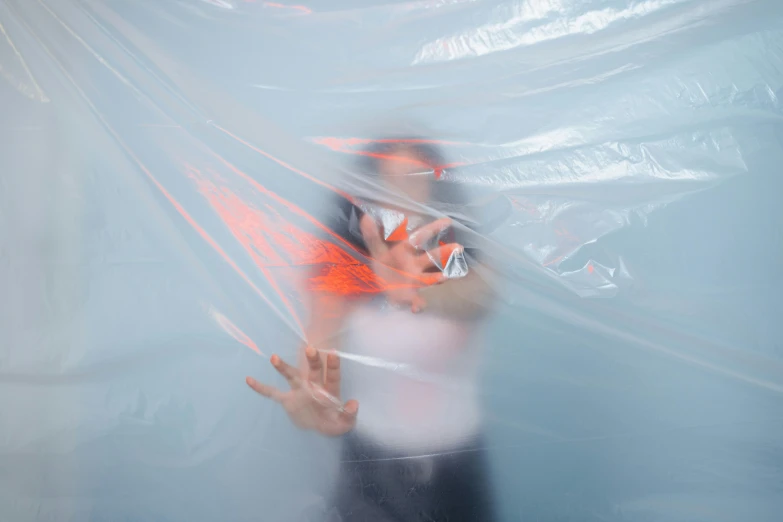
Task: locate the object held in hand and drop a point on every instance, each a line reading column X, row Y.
column 434, row 238
column 405, row 266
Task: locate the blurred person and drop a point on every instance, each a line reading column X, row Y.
column 416, row 451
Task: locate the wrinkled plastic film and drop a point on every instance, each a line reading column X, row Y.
column 168, row 179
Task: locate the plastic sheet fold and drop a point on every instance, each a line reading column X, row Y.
column 179, row 178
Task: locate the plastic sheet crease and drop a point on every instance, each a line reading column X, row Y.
column 165, row 170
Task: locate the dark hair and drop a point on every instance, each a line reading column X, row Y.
column 379, row 150
column 447, row 197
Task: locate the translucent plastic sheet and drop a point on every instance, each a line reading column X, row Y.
column 173, row 185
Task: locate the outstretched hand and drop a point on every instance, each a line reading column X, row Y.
column 313, row 400
column 404, row 265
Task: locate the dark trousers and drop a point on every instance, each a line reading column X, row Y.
column 379, row 485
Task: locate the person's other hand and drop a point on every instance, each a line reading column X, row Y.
column 404, row 266
column 313, row 400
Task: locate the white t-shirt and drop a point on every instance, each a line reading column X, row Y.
column 415, row 377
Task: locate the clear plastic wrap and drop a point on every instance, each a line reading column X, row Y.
column 179, row 178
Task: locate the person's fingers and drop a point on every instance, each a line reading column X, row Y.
column 350, row 410
column 289, row 372
column 425, row 234
column 314, row 364
column 432, row 278
column 439, row 257
column 332, row 381
column 270, row 392
column 372, row 235
column 345, row 420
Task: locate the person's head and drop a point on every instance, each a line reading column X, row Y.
column 409, row 166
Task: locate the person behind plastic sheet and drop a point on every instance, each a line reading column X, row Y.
column 415, row 451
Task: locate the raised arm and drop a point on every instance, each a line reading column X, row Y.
column 313, row 401
column 465, row 298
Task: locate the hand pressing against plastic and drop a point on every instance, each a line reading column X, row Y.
column 313, row 401
column 403, row 265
